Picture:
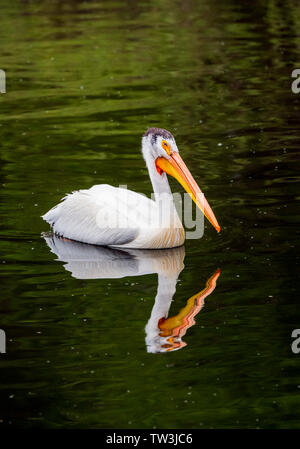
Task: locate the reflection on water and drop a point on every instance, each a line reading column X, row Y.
column 172, row 329
column 163, row 333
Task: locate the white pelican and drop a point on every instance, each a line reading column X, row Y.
column 110, row 216
column 163, row 333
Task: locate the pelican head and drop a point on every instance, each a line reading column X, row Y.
column 162, row 157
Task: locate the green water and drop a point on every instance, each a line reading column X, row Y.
column 84, row 81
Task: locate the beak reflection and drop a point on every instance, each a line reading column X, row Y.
column 175, row 327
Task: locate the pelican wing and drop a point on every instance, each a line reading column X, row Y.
column 101, row 215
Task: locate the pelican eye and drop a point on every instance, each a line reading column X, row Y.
column 166, row 146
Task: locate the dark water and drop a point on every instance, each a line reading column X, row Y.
column 84, row 81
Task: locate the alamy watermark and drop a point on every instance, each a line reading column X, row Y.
column 2, row 342
column 165, row 211
column 2, row 82
column 295, row 346
column 295, row 86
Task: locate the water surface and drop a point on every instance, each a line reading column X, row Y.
column 84, row 81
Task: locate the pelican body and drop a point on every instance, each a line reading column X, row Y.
column 117, row 217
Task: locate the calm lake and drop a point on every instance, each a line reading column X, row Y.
column 84, row 80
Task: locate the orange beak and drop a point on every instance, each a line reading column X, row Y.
column 177, row 168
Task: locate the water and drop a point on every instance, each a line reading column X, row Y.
column 84, row 81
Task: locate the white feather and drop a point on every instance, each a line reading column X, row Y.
column 106, row 215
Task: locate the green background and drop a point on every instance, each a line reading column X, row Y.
column 84, row 81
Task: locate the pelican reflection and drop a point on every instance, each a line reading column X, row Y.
column 163, row 333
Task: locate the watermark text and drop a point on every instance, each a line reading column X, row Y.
column 295, row 86
column 2, row 82
column 2, row 342
column 296, row 343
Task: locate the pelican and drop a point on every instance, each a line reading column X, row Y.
column 163, row 333
column 117, row 217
